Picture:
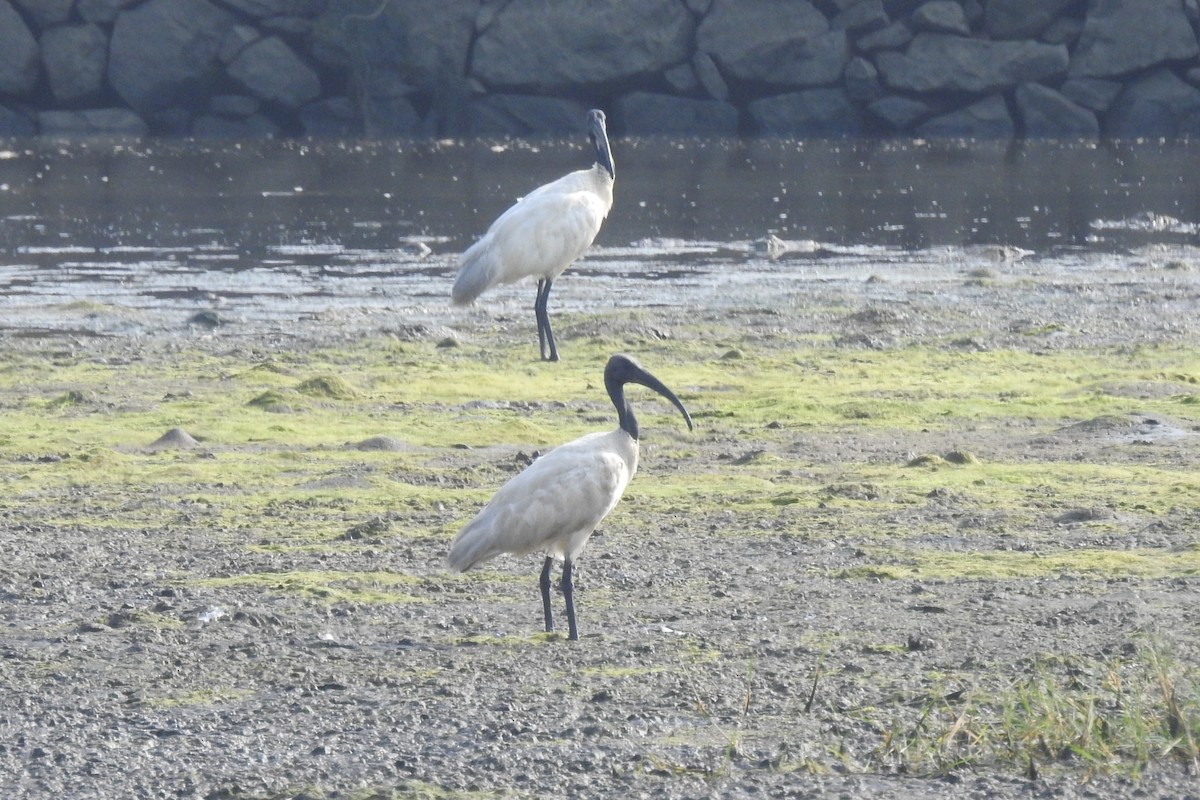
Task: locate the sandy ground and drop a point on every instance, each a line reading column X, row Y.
column 723, row 655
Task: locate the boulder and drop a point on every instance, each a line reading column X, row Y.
column 164, row 53
column 331, row 118
column 234, row 106
column 785, row 42
column 893, row 37
column 560, row 45
column 14, row 123
column 262, row 9
column 1046, row 114
column 861, row 18
column 255, row 126
column 393, row 115
column 812, row 113
column 75, row 57
column 940, row 16
column 683, row 78
column 710, row 76
column 421, row 42
column 115, row 122
column 1123, row 36
column 527, row 115
column 1094, row 93
column 236, row 40
column 18, row 54
column 1064, row 30
column 985, row 119
column 647, row 114
column 45, row 13
column 1157, row 104
column 900, row 113
column 940, row 63
column 270, row 69
column 101, row 12
column 861, row 80
column 1020, row 19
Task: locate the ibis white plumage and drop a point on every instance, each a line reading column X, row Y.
column 555, row 504
column 543, row 234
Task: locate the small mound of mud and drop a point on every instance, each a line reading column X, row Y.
column 384, row 443
column 1084, row 515
column 420, row 333
column 608, row 328
column 331, row 386
column 956, row 457
column 175, row 439
column 875, row 316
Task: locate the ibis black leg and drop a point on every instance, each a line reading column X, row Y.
column 545, row 584
column 545, row 334
column 569, row 593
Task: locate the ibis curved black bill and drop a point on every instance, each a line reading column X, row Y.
column 622, row 369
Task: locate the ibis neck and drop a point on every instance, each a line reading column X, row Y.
column 625, row 417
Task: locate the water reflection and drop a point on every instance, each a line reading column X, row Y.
column 274, row 226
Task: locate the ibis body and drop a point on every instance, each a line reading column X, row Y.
column 555, row 503
column 542, row 234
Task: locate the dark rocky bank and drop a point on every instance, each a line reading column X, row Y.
column 432, row 68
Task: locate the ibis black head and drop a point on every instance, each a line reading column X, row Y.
column 598, row 133
column 622, row 369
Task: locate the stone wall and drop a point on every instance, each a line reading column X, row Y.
column 819, row 68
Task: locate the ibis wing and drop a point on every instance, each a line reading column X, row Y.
column 552, row 506
column 539, row 236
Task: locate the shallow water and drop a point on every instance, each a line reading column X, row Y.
column 106, row 239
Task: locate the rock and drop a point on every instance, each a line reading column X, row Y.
column 255, row 126
column 75, row 57
column 1094, row 93
column 893, row 37
column 900, row 112
column 654, row 35
column 785, row 42
column 14, row 123
column 1046, row 114
column 277, row 8
column 102, row 12
column 421, row 42
column 115, row 122
column 236, row 40
column 861, row 80
column 647, row 114
column 709, row 76
column 331, row 117
column 175, row 439
column 234, row 106
column 45, row 13
column 1157, row 104
column 1020, row 19
column 940, row 63
column 822, row 113
column 1122, row 36
column 940, row 16
column 391, row 116
column 1064, row 30
column 164, row 53
column 526, row 115
column 683, row 78
column 272, row 71
column 985, row 119
column 861, row 18
column 18, row 54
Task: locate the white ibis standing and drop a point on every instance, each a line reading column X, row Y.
column 542, row 234
column 556, row 502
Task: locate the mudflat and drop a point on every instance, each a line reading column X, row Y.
column 934, row 535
